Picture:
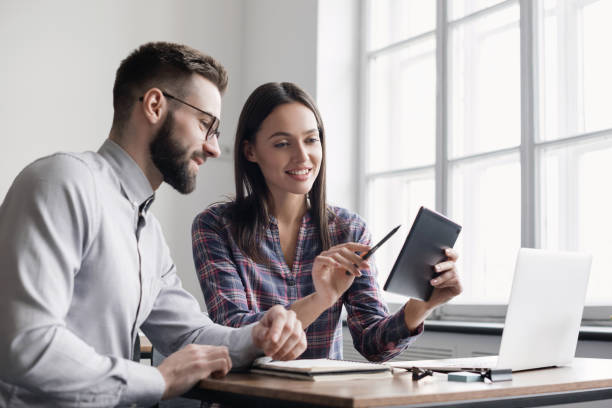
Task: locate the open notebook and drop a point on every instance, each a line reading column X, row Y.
column 321, row 369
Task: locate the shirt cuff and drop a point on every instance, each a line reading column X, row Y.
column 242, row 350
column 145, row 385
column 398, row 322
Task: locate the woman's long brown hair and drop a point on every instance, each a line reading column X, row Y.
column 249, row 211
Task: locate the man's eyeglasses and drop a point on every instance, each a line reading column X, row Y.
column 212, row 129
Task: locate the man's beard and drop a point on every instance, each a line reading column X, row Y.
column 171, row 159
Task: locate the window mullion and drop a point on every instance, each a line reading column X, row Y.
column 441, row 171
column 361, row 189
column 528, row 33
column 441, row 167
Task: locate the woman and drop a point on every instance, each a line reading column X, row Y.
column 278, row 242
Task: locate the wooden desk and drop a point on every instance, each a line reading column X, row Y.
column 585, row 380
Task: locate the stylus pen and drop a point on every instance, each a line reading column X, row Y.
column 375, row 247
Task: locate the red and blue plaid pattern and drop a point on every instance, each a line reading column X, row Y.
column 238, row 291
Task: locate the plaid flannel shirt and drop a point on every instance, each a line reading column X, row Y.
column 238, row 291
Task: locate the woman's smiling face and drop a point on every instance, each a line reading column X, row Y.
column 287, row 149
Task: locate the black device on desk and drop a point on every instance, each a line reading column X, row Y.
column 430, row 235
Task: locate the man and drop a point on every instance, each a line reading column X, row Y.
column 84, row 264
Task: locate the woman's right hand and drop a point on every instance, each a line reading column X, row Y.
column 335, row 270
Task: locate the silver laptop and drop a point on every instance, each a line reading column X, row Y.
column 543, row 317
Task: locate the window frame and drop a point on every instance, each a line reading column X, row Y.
column 528, row 149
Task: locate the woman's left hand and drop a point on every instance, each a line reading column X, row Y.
column 447, row 284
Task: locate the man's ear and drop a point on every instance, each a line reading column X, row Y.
column 249, row 151
column 153, row 105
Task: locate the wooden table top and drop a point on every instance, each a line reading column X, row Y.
column 583, row 374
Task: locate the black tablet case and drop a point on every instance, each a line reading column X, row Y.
column 424, row 247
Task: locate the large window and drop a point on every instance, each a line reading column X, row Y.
column 494, row 113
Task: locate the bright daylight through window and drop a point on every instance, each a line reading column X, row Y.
column 497, row 114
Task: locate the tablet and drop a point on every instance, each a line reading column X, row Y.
column 430, row 234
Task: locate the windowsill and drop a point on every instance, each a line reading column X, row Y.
column 599, row 330
column 495, row 329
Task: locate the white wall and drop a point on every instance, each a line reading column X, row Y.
column 280, row 43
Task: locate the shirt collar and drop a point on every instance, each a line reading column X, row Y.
column 134, row 183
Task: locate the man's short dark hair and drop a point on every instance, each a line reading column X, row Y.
column 164, row 65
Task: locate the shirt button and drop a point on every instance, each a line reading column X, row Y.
column 291, row 282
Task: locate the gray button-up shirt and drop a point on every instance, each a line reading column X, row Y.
column 83, row 266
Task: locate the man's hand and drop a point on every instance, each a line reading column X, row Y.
column 279, row 334
column 183, row 369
